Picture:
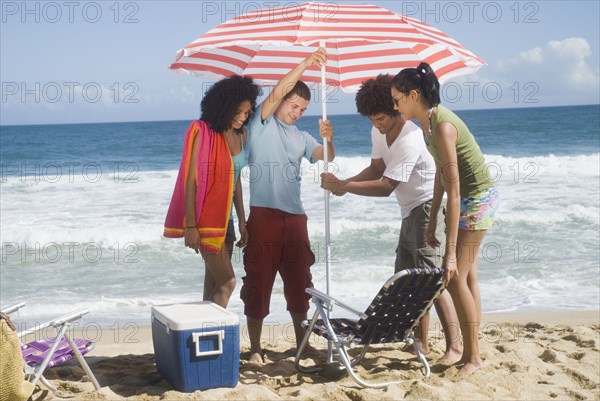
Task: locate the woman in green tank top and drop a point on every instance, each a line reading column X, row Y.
column 471, row 197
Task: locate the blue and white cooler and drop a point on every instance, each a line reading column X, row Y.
column 196, row 345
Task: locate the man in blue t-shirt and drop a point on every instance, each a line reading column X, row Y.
column 277, row 225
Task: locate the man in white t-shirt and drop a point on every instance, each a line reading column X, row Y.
column 400, row 163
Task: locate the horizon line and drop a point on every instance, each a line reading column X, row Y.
column 306, row 115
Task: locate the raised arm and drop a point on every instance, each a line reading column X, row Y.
column 285, row 84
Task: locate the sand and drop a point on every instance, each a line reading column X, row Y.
column 527, row 356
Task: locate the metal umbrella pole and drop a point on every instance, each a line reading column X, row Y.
column 326, row 198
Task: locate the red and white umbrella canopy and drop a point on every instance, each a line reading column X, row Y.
column 362, row 41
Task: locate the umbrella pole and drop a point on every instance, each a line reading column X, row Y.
column 326, row 196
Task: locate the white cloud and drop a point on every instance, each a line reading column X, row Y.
column 571, row 47
column 559, row 65
column 572, row 53
column 533, row 56
column 557, row 73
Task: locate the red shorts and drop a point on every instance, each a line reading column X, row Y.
column 277, row 242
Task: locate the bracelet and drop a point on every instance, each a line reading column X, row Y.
column 191, row 226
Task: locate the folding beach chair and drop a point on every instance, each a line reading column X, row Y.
column 391, row 317
column 46, row 353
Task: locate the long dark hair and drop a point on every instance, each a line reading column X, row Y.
column 221, row 101
column 423, row 80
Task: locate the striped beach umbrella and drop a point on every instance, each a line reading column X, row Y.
column 362, row 41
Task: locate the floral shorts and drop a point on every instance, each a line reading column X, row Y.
column 478, row 212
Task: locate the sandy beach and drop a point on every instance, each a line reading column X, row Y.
column 527, row 356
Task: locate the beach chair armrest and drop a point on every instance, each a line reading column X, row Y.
column 70, row 317
column 58, row 322
column 13, row 308
column 330, row 301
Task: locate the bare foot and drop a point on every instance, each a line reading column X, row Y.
column 410, row 348
column 469, row 368
column 451, row 357
column 313, row 353
column 256, row 357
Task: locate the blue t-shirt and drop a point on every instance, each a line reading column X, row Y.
column 276, row 150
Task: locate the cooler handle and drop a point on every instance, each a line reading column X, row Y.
column 218, row 333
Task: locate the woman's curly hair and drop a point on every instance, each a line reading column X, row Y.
column 220, row 103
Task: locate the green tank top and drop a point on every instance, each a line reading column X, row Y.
column 474, row 177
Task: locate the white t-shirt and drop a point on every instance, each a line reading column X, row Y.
column 408, row 162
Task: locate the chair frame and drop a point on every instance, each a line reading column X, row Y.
column 325, row 303
column 62, row 326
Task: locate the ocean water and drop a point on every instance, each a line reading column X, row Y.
column 82, row 209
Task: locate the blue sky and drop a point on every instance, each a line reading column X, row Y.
column 103, row 61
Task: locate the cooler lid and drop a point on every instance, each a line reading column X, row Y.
column 193, row 315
